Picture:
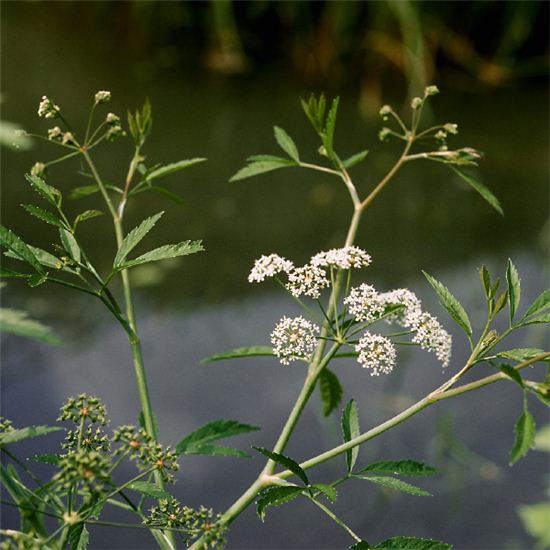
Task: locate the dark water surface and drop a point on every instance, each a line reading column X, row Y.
column 202, row 304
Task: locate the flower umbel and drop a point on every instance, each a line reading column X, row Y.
column 47, row 108
column 308, row 280
column 364, row 303
column 268, row 266
column 433, row 337
column 84, row 407
column 409, row 314
column 376, row 353
column 102, row 96
column 342, row 258
column 293, row 339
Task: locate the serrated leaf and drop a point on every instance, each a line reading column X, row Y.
column 286, row 143
column 49, row 193
column 395, row 484
column 401, row 467
column 252, row 351
column 315, row 111
column 350, row 430
column 14, row 436
column 173, row 167
column 11, row 241
column 520, row 354
column 327, row 490
column 43, row 215
column 260, row 167
column 149, row 489
column 37, row 280
column 45, row 258
column 355, row 159
column 275, row 496
column 10, row 273
column 485, row 280
column 78, row 537
column 46, row 459
column 541, row 303
column 451, row 304
column 331, row 391
column 501, row 302
column 328, row 138
column 213, row 431
column 286, row 462
column 413, row 543
column 481, row 189
column 133, row 238
column 87, row 215
column 511, row 373
column 70, row 245
column 17, row 322
column 216, row 450
column 525, row 429
column 165, row 252
column 514, row 288
column 535, row 320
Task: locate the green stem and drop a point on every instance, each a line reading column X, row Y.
column 335, row 518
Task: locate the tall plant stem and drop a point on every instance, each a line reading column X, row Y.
column 137, row 356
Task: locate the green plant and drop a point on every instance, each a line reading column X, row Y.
column 344, row 321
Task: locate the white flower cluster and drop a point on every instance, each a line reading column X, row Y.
column 269, row 266
column 433, row 337
column 308, row 280
column 411, row 310
column 342, row 258
column 293, row 339
column 364, row 303
column 103, row 96
column 376, row 353
column 47, row 108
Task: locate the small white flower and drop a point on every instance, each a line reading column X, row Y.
column 293, row 339
column 407, row 316
column 102, row 96
column 364, row 303
column 433, row 337
column 38, row 169
column 342, row 258
column 47, row 108
column 55, row 133
column 67, row 138
column 431, row 90
column 385, row 110
column 268, row 266
column 451, row 128
column 112, row 119
column 308, row 280
column 376, row 353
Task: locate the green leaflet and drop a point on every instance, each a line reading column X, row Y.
column 511, row 373
column 12, row 242
column 451, row 304
column 134, row 237
column 17, row 322
column 46, row 459
column 328, row 134
column 485, row 280
column 413, row 543
column 275, row 496
column 78, row 537
column 149, row 489
column 541, row 303
column 327, row 490
column 514, row 288
column 86, row 215
column 331, row 391
column 260, row 167
column 355, row 159
column 70, row 245
column 21, row 434
column 400, row 467
column 315, row 111
column 43, row 215
column 165, row 252
column 253, row 351
column 481, row 189
column 350, row 430
column 173, row 167
column 525, row 436
column 535, row 320
column 199, row 441
column 286, row 143
column 395, row 484
column 47, row 192
column 520, row 354
column 286, row 462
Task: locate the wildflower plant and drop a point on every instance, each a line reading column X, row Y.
column 342, row 317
